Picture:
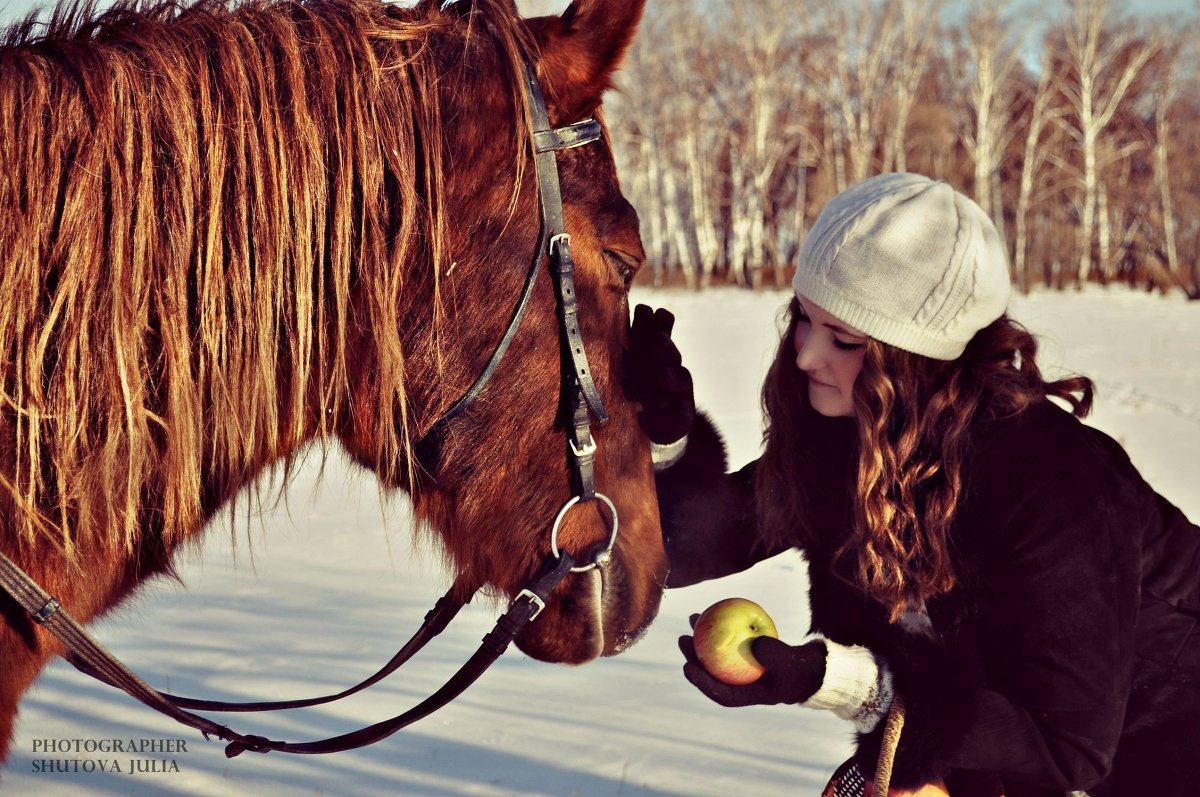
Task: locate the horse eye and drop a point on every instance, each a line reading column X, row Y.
column 624, row 265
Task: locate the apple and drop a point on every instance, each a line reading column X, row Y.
column 723, row 635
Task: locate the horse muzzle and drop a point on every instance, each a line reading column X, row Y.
column 594, row 613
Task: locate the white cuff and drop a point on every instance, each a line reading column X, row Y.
column 665, row 455
column 857, row 686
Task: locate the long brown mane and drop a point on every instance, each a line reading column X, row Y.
column 160, row 328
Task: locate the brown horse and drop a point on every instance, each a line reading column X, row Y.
column 226, row 233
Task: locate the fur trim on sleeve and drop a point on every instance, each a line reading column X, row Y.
column 703, row 460
column 664, row 455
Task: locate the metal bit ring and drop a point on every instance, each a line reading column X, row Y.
column 601, row 558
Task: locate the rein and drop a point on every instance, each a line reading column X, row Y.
column 580, row 398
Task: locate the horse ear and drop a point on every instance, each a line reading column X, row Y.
column 581, row 49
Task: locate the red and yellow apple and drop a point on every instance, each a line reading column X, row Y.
column 723, row 635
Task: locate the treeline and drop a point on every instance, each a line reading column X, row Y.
column 1079, row 133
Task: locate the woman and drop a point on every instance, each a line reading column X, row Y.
column 972, row 546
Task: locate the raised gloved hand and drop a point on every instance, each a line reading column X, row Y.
column 793, row 673
column 653, row 375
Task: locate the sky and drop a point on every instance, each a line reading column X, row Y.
column 321, row 592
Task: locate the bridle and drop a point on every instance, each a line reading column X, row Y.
column 578, row 389
column 580, row 400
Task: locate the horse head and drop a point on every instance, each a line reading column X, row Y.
column 499, row 473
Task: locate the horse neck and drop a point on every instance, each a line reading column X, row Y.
column 225, row 208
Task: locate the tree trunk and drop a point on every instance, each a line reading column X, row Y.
column 800, row 220
column 677, row 228
column 1163, row 178
column 1104, row 234
column 1029, row 165
column 702, row 212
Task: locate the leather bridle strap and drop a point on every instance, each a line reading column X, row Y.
column 527, row 605
column 436, row 621
column 546, row 142
column 47, row 611
column 579, row 389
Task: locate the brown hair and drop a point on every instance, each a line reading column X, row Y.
column 913, row 416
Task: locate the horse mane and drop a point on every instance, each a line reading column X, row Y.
column 209, row 214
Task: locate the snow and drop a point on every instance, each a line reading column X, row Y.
column 320, row 592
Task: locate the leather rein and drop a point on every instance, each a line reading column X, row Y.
column 580, row 399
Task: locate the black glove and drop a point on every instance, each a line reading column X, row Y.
column 653, row 375
column 793, row 674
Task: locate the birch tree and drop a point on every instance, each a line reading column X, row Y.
column 764, row 92
column 1041, row 113
column 1168, row 90
column 1105, row 59
column 992, row 55
column 916, row 38
column 670, row 131
column 862, row 37
column 735, row 120
column 1175, row 65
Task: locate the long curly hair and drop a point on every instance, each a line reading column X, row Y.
column 913, row 416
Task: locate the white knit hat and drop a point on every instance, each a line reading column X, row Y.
column 908, row 261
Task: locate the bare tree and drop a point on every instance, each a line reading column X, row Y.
column 914, row 42
column 668, row 127
column 736, row 123
column 1168, row 91
column 862, row 38
column 1104, row 59
column 1041, row 113
column 992, row 56
column 1177, row 61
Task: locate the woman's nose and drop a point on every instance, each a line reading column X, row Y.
column 808, row 356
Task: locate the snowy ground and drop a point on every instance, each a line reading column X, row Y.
column 323, row 591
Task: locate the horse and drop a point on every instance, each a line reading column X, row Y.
column 233, row 233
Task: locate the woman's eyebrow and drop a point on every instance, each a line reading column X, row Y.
column 844, row 331
column 835, row 327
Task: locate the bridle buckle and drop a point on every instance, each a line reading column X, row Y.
column 48, row 610
column 586, row 450
column 563, row 239
column 534, row 599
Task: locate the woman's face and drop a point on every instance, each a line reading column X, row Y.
column 831, row 354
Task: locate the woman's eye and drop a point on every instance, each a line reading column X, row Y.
column 846, row 345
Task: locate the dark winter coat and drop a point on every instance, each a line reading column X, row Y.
column 1068, row 655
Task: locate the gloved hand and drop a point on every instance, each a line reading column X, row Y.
column 653, row 375
column 793, row 674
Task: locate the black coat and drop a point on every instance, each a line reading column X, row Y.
column 1068, row 654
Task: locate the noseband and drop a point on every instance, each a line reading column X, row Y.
column 580, row 399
